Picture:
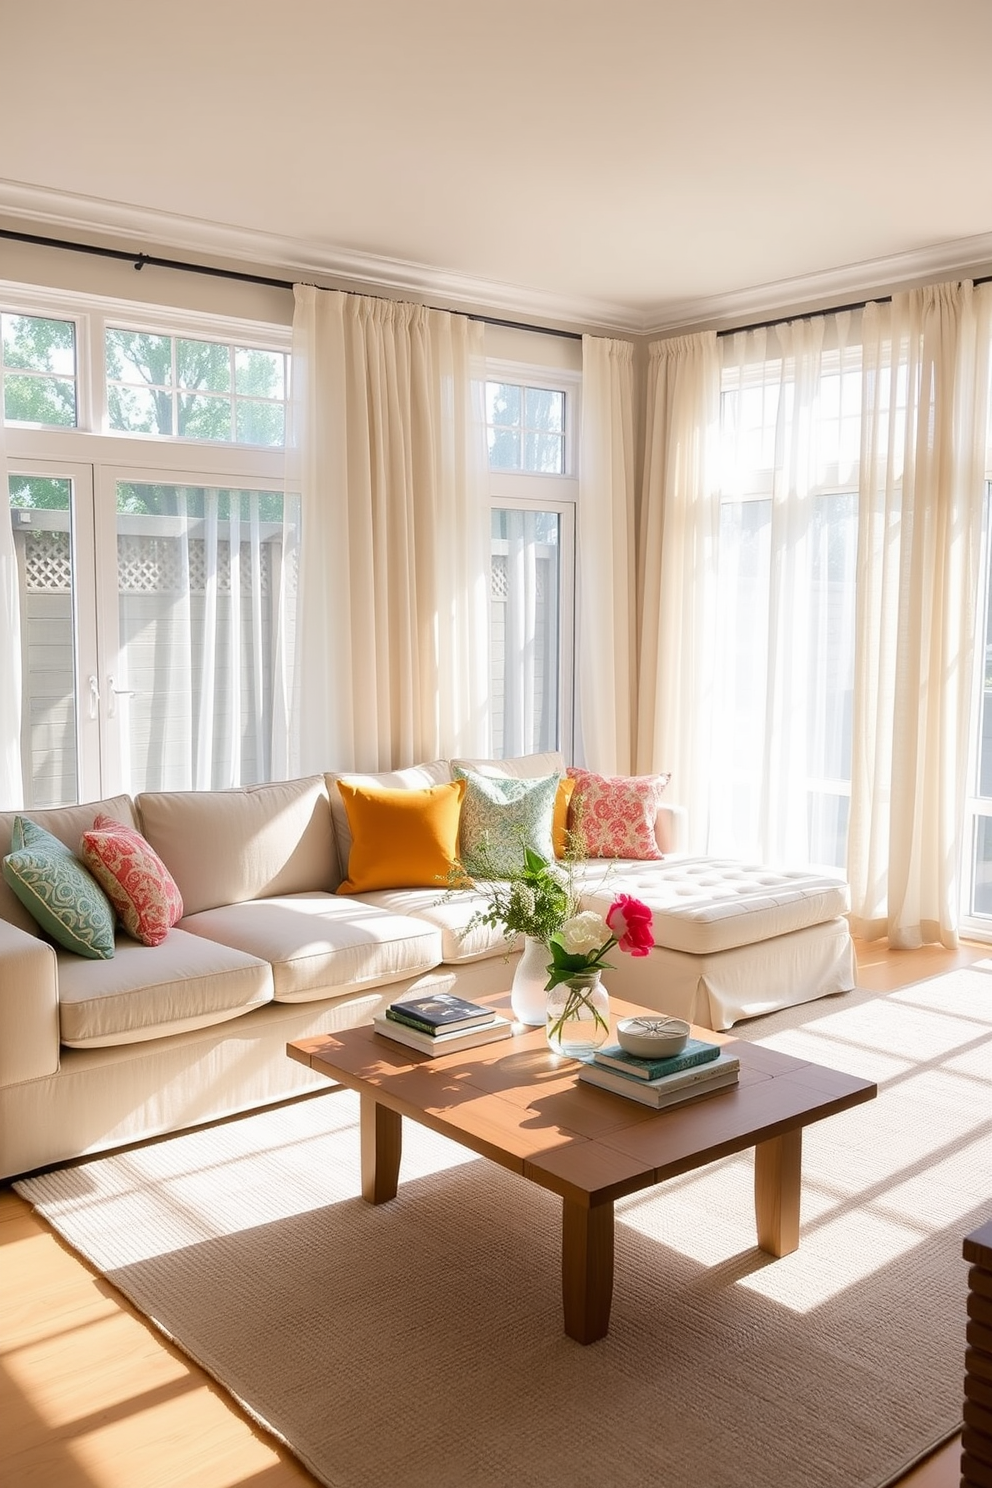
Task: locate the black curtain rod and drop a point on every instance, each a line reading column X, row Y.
column 139, row 260
column 764, row 325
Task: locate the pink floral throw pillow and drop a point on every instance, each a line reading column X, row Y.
column 134, row 879
column 615, row 814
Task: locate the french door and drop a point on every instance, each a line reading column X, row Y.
column 156, row 630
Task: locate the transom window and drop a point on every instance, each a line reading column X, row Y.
column 195, row 389
column 38, row 361
column 525, row 428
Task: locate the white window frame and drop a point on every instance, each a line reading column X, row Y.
column 97, row 459
column 525, row 490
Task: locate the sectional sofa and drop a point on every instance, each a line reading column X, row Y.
column 98, row 1053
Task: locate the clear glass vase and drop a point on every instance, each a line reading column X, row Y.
column 578, row 1015
column 527, row 996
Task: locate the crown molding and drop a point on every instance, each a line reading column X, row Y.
column 306, row 260
column 62, row 212
column 876, row 277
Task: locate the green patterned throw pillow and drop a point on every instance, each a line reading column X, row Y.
column 501, row 815
column 58, row 892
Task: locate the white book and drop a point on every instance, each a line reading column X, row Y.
column 442, row 1043
column 671, row 1090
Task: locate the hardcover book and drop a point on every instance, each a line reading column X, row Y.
column 443, row 1011
column 612, row 1056
column 657, row 1094
column 443, row 1043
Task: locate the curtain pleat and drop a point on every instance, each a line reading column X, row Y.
column 389, row 450
column 677, row 579
column 924, row 429
column 604, row 630
column 11, row 779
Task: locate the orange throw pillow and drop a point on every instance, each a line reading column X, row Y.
column 401, row 839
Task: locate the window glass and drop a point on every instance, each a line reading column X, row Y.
column 526, row 428
column 207, row 582
column 39, row 370
column 195, row 389
column 41, row 518
column 525, row 633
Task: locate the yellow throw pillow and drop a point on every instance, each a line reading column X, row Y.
column 401, row 839
column 559, row 826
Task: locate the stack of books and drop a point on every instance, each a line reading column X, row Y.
column 441, row 1023
column 699, row 1070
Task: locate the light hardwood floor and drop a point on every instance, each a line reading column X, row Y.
column 92, row 1397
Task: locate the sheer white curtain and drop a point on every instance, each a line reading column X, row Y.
column 677, row 582
column 207, row 597
column 785, row 603
column 11, row 780
column 393, row 651
column 604, row 631
column 926, row 401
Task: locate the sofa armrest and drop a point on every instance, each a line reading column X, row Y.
column 671, row 829
column 29, row 1006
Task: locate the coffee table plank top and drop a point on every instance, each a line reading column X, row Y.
column 516, row 1103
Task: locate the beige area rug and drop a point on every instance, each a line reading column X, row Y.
column 419, row 1344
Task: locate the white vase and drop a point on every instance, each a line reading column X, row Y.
column 527, row 996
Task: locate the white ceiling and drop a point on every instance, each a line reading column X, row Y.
column 630, row 163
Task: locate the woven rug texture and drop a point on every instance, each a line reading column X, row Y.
column 419, row 1344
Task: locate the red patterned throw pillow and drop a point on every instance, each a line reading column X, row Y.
column 134, row 879
column 615, row 814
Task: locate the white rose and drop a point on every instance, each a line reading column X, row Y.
column 584, row 932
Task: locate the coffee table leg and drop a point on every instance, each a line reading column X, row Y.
column 587, row 1269
column 777, row 1184
column 382, row 1141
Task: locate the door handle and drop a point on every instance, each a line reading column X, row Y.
column 94, row 696
column 115, row 693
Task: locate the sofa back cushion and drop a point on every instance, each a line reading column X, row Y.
column 224, row 847
column 67, row 823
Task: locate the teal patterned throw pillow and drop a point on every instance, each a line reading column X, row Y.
column 501, row 815
column 58, row 892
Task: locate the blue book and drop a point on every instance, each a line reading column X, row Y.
column 440, row 1012
column 613, row 1057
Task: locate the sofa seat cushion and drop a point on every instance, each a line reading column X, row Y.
column 702, row 905
column 450, row 915
column 149, row 992
column 320, row 945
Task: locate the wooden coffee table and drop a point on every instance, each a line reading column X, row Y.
column 517, row 1104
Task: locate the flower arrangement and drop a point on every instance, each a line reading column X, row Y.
column 581, row 946
column 584, row 941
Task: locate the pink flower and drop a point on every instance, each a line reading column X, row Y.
column 631, row 923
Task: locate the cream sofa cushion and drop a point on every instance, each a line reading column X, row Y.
column 520, row 767
column 148, row 992
column 225, row 847
column 321, row 945
column 450, row 916
column 67, row 823
column 416, row 777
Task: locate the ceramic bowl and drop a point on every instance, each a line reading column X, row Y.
column 652, row 1038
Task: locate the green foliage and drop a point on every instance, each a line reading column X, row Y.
column 39, row 493
column 535, row 901
column 39, row 357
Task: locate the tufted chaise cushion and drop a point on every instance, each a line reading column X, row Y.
column 702, row 905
